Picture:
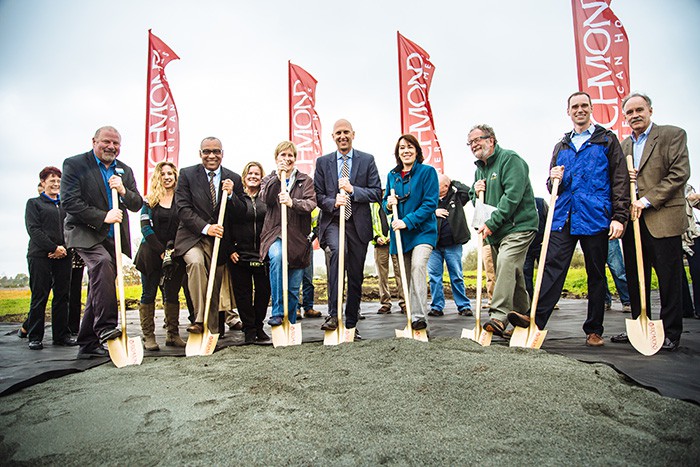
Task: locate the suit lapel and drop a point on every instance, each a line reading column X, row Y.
column 649, row 146
column 97, row 176
column 356, row 160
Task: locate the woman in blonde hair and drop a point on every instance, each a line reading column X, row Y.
column 159, row 225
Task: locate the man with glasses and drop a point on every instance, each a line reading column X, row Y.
column 503, row 177
column 592, row 208
column 197, row 200
column 355, row 173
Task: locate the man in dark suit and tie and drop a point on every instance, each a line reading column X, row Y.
column 197, row 200
column 661, row 168
column 86, row 194
column 354, row 172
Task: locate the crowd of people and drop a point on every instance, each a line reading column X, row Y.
column 71, row 225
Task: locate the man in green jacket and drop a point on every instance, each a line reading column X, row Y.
column 503, row 176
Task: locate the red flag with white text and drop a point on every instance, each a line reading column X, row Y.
column 304, row 124
column 602, row 58
column 162, row 124
column 415, row 76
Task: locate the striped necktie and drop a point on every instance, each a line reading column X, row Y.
column 212, row 190
column 345, row 173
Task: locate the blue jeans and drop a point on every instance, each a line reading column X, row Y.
column 307, row 286
column 294, row 281
column 452, row 256
column 617, row 270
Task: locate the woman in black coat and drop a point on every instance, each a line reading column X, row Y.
column 49, row 263
column 249, row 273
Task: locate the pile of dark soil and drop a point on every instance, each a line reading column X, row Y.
column 388, row 401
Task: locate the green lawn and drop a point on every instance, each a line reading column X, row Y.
column 14, row 303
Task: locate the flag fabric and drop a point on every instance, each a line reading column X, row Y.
column 304, row 124
column 602, row 58
column 162, row 124
column 415, row 76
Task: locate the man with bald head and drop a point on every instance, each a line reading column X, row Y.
column 198, row 197
column 346, row 177
column 86, row 195
column 453, row 232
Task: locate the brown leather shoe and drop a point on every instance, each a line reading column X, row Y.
column 195, row 328
column 594, row 340
column 311, row 313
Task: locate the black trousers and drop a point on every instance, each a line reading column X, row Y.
column 47, row 275
column 101, row 309
column 559, row 253
column 251, row 289
column 665, row 255
column 355, row 253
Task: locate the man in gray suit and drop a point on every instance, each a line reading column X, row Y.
column 197, row 200
column 661, row 168
column 354, row 172
column 86, row 194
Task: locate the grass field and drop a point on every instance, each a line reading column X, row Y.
column 14, row 303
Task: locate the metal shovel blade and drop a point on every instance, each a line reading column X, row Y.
column 409, row 333
column 530, row 338
column 201, row 344
column 339, row 336
column 286, row 334
column 125, row 351
column 478, row 335
column 646, row 339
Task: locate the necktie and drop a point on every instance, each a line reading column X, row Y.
column 345, row 173
column 212, row 190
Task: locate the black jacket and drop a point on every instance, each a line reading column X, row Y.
column 454, row 201
column 245, row 225
column 44, row 221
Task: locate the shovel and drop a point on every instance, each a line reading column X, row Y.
column 341, row 333
column 205, row 343
column 478, row 334
column 408, row 332
column 532, row 337
column 645, row 335
column 286, row 333
column 123, row 350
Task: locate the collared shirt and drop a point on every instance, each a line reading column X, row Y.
column 638, row 145
column 637, row 151
column 340, row 162
column 56, row 201
column 579, row 139
column 107, row 173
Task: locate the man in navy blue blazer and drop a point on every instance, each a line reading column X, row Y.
column 355, row 173
column 87, row 183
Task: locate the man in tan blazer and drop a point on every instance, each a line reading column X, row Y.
column 662, row 169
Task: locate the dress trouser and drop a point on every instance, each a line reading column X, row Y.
column 559, row 253
column 355, row 253
column 416, row 262
column 198, row 260
column 100, row 312
column 251, row 287
column 666, row 256
column 46, row 275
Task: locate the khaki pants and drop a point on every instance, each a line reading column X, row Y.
column 198, row 259
column 381, row 262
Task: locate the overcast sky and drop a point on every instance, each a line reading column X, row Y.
column 69, row 67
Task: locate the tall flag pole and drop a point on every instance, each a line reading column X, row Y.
column 602, row 58
column 162, row 124
column 304, row 124
column 415, row 76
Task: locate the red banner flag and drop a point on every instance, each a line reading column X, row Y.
column 162, row 124
column 304, row 124
column 415, row 75
column 602, row 57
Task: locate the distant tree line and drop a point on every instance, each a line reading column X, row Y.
column 20, row 280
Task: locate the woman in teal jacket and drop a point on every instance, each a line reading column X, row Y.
column 416, row 197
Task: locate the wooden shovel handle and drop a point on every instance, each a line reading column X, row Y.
column 402, row 265
column 543, row 253
column 638, row 248
column 214, row 259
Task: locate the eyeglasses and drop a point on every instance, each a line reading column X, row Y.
column 206, row 152
column 472, row 141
